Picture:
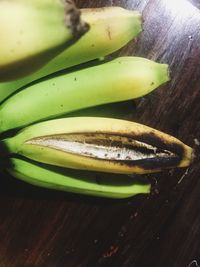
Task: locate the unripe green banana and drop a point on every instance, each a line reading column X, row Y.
column 87, row 183
column 110, row 29
column 33, row 32
column 120, row 79
column 100, row 144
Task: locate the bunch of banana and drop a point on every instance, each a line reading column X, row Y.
column 88, row 155
column 110, row 29
column 33, row 32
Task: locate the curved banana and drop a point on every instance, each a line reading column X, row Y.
column 120, row 79
column 33, row 32
column 87, row 183
column 110, row 29
column 100, row 144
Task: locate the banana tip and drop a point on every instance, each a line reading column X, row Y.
column 168, row 72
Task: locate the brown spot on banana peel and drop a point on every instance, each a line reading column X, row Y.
column 144, row 152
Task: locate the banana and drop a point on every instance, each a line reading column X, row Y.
column 110, row 29
column 34, row 31
column 118, row 80
column 100, row 144
column 87, row 183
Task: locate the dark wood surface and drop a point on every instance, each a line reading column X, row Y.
column 42, row 228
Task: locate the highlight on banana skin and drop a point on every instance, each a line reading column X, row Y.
column 69, row 153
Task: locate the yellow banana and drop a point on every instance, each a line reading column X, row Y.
column 100, row 144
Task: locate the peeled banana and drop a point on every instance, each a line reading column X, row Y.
column 117, row 80
column 33, row 32
column 110, row 29
column 111, row 186
column 100, row 144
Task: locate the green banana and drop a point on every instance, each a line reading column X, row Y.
column 120, row 79
column 110, row 29
column 100, row 144
column 32, row 32
column 110, row 186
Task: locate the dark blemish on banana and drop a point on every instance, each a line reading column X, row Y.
column 109, row 33
column 53, row 84
column 152, row 83
column 153, row 164
column 75, row 79
column 156, row 141
column 61, row 106
column 88, row 153
column 92, row 45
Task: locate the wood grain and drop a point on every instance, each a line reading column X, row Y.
column 41, row 228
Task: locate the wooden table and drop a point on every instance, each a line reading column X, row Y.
column 43, row 228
